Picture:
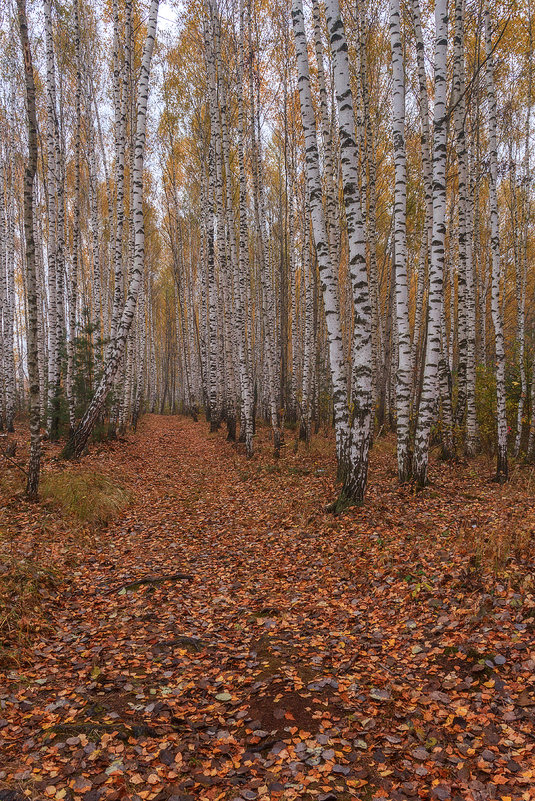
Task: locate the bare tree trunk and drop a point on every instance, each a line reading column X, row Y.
column 326, row 268
column 404, row 370
column 502, row 470
column 32, row 485
column 430, row 383
column 361, row 390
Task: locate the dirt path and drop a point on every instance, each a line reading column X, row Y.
column 308, row 656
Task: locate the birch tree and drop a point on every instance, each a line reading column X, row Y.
column 326, row 268
column 32, row 333
column 361, row 386
column 502, row 471
column 427, row 407
column 404, row 368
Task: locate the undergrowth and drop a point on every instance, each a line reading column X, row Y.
column 24, row 583
column 38, row 543
column 86, row 495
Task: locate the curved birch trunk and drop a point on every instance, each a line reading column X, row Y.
column 420, row 314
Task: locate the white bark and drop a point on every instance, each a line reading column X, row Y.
column 361, row 390
column 404, row 369
column 326, row 268
column 426, row 411
column 502, row 473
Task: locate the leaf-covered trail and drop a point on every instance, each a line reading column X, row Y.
column 309, row 656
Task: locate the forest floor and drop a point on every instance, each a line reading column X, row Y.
column 388, row 652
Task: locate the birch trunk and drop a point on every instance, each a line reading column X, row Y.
column 243, row 272
column 466, row 402
column 326, row 268
column 9, row 307
column 436, row 270
column 361, row 390
column 32, row 485
column 404, row 368
column 53, row 350
column 502, row 471
column 331, row 206
column 525, row 218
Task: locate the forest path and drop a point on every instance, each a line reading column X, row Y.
column 309, row 656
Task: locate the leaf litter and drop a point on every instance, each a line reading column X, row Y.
column 377, row 654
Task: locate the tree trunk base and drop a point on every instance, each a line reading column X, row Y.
column 304, row 432
column 447, row 453
column 502, row 468
column 421, row 478
column 471, row 448
column 231, row 429
column 277, row 441
column 343, row 502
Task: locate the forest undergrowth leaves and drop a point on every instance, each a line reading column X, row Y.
column 226, row 638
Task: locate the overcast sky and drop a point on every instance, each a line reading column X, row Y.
column 167, row 16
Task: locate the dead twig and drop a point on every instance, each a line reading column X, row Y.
column 13, row 462
column 133, row 585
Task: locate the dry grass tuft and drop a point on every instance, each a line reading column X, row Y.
column 24, row 584
column 85, row 495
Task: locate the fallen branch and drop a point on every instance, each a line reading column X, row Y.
column 133, row 585
column 13, row 462
column 182, row 642
column 123, row 730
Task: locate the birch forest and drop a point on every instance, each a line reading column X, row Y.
column 267, row 314
column 301, row 216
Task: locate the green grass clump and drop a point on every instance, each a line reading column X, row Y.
column 86, row 495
